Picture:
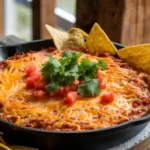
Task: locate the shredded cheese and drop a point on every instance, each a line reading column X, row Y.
column 20, row 107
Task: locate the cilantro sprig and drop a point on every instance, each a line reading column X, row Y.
column 89, row 88
column 65, row 70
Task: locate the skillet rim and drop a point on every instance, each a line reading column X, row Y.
column 119, row 127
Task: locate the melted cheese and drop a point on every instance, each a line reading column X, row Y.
column 52, row 113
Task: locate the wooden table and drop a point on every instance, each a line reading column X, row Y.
column 143, row 145
column 11, row 40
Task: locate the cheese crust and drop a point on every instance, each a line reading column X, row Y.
column 17, row 104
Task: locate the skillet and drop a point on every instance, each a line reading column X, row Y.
column 99, row 139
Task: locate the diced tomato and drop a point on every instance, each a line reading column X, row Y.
column 79, row 96
column 61, row 92
column 71, row 98
column 37, row 74
column 30, row 69
column 52, row 94
column 76, row 82
column 39, row 94
column 99, row 77
column 107, row 97
column 74, row 87
column 67, row 89
column 40, row 85
column 102, row 85
column 30, row 81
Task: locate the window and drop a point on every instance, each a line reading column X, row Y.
column 68, row 6
column 65, row 13
column 18, row 18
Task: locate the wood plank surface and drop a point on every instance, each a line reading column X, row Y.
column 43, row 13
column 84, row 19
column 124, row 21
column 110, row 17
column 147, row 22
column 36, row 30
column 47, row 16
column 143, row 145
column 129, row 23
column 136, row 20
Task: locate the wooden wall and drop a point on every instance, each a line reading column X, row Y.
column 47, row 16
column 43, row 13
column 136, row 22
column 125, row 21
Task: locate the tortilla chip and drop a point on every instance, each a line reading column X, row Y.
column 4, row 147
column 84, row 34
column 76, row 41
column 136, row 50
column 138, row 56
column 2, row 141
column 99, row 42
column 64, row 40
column 59, row 37
column 22, row 148
column 15, row 147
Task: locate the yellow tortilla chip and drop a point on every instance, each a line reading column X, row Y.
column 22, row 148
column 84, row 34
column 138, row 56
column 4, row 147
column 59, row 37
column 76, row 41
column 136, row 50
column 15, row 147
column 2, row 141
column 98, row 41
column 64, row 40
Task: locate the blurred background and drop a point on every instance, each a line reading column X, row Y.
column 124, row 21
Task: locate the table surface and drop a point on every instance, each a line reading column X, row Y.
column 11, row 40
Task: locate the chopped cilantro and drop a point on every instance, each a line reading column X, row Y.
column 51, row 67
column 71, row 54
column 62, row 72
column 102, row 64
column 90, row 88
column 52, row 88
column 90, row 69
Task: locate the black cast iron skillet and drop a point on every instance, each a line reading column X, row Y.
column 100, row 139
